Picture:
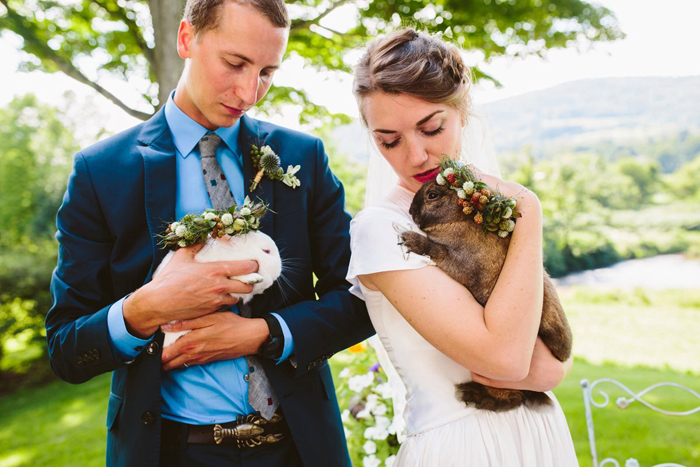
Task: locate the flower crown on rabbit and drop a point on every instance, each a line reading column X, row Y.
column 193, row 229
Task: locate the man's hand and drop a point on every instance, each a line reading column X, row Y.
column 185, row 289
column 216, row 336
column 546, row 372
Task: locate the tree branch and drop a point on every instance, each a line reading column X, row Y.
column 120, row 13
column 65, row 65
column 305, row 24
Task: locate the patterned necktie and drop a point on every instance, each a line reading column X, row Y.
column 261, row 395
column 214, row 178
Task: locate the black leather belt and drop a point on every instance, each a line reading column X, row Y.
column 247, row 431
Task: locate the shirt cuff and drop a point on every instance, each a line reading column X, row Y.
column 288, row 340
column 126, row 346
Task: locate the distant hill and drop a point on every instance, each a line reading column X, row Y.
column 579, row 114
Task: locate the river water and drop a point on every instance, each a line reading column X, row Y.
column 658, row 272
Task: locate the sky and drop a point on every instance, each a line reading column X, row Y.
column 661, row 41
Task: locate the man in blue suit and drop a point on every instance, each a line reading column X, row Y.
column 165, row 405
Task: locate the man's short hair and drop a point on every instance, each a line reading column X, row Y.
column 204, row 14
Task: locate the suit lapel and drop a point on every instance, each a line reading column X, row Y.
column 158, row 151
column 250, row 134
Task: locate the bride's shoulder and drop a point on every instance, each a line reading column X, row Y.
column 381, row 217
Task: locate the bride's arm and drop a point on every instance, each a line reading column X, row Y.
column 546, row 372
column 496, row 341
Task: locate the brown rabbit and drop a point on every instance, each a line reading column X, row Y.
column 474, row 257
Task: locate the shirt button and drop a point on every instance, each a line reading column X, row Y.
column 147, row 418
column 152, row 348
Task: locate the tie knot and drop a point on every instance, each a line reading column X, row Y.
column 208, row 145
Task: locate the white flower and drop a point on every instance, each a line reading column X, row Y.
column 370, row 447
column 384, row 390
column 364, row 413
column 503, row 233
column 371, row 461
column 344, row 373
column 173, row 226
column 181, row 231
column 359, row 382
column 266, row 150
column 389, row 461
column 507, row 213
column 378, row 434
column 210, row 216
column 227, row 219
column 461, row 194
column 468, row 187
column 372, row 401
column 289, row 178
column 245, row 211
column 182, row 243
column 229, row 230
column 380, row 409
column 345, row 416
column 449, row 171
column 383, row 422
column 440, row 179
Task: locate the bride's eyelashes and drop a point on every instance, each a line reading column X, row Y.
column 435, row 132
column 390, row 145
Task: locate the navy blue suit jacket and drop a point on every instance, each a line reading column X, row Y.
column 120, row 195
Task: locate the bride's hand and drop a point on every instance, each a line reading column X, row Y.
column 546, row 372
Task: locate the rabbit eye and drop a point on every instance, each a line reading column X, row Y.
column 267, row 251
column 433, row 195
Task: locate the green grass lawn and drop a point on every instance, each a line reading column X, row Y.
column 63, row 425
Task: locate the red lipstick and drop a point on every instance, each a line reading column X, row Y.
column 427, row 175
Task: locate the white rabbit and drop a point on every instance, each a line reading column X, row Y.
column 254, row 245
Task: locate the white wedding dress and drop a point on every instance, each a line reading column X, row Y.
column 441, row 430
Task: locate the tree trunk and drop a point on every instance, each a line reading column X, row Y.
column 168, row 65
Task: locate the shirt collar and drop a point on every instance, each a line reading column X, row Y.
column 187, row 133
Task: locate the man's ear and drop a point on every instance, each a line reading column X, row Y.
column 185, row 37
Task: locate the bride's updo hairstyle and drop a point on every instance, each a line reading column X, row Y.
column 416, row 64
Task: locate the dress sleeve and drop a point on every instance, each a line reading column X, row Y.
column 374, row 245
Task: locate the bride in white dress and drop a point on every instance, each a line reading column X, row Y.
column 413, row 93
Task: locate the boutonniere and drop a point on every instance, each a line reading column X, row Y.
column 193, row 229
column 486, row 206
column 267, row 163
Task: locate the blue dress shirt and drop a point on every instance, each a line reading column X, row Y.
column 214, row 392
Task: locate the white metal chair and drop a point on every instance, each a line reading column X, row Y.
column 623, row 403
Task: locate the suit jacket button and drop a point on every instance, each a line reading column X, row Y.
column 147, row 418
column 152, row 348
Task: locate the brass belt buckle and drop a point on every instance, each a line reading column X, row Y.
column 248, row 431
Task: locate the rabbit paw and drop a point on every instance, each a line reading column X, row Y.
column 250, row 279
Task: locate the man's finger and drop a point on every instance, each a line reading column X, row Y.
column 188, row 324
column 176, row 363
column 235, row 268
column 189, row 251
